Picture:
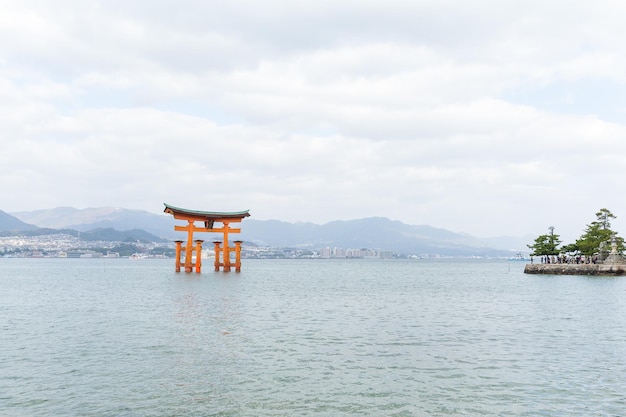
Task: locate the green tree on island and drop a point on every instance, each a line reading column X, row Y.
column 598, row 232
column 546, row 244
column 595, row 240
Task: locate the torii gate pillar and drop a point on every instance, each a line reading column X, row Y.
column 208, row 218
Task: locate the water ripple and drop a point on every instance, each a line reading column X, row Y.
column 323, row 338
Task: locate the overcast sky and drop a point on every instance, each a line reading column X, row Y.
column 486, row 117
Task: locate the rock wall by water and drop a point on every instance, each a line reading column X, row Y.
column 576, row 269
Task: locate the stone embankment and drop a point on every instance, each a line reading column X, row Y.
column 576, row 269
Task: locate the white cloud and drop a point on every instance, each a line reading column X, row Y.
column 429, row 112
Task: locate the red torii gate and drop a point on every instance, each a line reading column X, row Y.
column 208, row 218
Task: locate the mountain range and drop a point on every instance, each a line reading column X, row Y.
column 12, row 223
column 373, row 232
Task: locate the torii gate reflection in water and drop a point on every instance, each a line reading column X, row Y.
column 208, row 218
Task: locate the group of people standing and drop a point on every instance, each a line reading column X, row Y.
column 564, row 259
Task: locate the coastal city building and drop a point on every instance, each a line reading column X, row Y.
column 63, row 245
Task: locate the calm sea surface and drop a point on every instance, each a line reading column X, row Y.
column 119, row 337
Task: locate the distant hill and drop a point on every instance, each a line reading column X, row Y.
column 372, row 233
column 12, row 223
column 101, row 218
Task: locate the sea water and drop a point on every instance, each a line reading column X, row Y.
column 119, row 337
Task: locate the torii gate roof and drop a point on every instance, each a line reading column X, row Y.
column 204, row 215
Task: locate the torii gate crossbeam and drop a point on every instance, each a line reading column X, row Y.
column 208, row 220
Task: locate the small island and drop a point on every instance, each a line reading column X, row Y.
column 599, row 251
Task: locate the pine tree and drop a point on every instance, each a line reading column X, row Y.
column 597, row 232
column 546, row 244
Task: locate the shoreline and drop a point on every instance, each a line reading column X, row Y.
column 576, row 269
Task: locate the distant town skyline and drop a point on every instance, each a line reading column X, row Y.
column 488, row 118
